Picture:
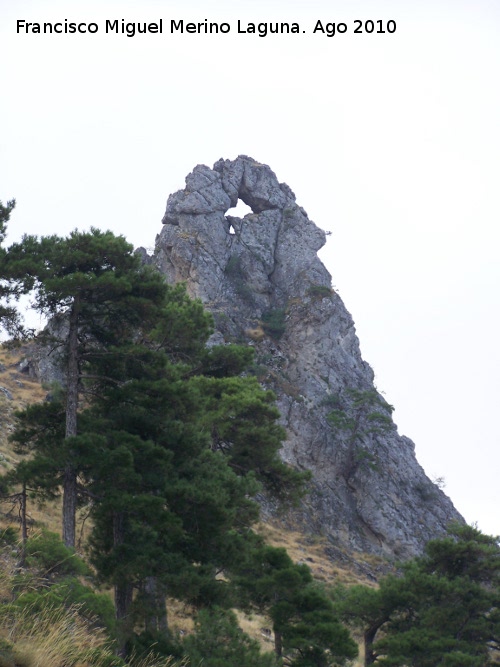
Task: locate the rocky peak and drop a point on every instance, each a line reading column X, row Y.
column 261, row 277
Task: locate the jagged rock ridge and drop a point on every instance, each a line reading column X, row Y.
column 261, row 278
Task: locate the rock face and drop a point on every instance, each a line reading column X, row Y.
column 261, row 278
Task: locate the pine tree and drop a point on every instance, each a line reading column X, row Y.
column 443, row 611
column 169, row 512
column 97, row 293
column 306, row 628
column 188, row 443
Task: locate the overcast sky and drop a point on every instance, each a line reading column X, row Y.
column 391, row 141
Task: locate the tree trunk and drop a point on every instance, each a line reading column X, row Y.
column 69, row 506
column 369, row 638
column 156, row 606
column 70, row 475
column 24, row 525
column 123, row 593
column 278, row 643
column 123, row 601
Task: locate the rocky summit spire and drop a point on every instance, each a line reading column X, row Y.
column 261, row 278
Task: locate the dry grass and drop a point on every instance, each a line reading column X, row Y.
column 153, row 661
column 180, row 617
column 257, row 334
column 258, row 627
column 23, row 390
column 312, row 550
column 54, row 638
column 61, row 637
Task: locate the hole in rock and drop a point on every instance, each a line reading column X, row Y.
column 240, row 210
column 231, row 229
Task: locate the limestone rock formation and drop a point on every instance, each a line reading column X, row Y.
column 261, row 278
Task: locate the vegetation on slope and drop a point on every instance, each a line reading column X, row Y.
column 164, row 442
column 167, row 450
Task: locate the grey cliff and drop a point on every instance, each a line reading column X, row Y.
column 261, row 278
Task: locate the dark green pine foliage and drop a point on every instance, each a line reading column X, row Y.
column 368, row 610
column 10, row 319
column 218, row 641
column 443, row 611
column 166, row 504
column 5, row 211
column 242, row 420
column 97, row 294
column 307, row 632
column 457, row 590
column 173, row 508
column 359, row 417
column 39, row 436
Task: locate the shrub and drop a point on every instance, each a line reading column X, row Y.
column 50, row 556
column 71, row 593
column 235, row 272
column 220, row 642
column 332, row 400
column 273, row 322
column 233, row 267
column 319, row 291
column 8, row 536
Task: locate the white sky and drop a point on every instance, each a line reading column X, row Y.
column 391, row 142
